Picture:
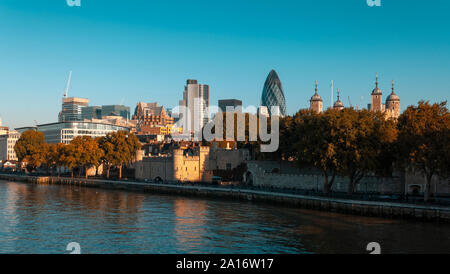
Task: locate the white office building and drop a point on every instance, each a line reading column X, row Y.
column 65, row 132
column 194, row 108
column 7, row 143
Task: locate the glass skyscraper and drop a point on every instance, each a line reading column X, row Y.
column 273, row 94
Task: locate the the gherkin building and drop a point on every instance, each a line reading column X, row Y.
column 272, row 94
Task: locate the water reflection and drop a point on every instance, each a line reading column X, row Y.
column 44, row 219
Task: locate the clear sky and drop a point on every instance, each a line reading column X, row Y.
column 143, row 50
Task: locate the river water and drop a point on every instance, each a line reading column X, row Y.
column 44, row 219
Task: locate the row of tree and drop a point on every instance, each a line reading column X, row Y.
column 353, row 143
column 113, row 150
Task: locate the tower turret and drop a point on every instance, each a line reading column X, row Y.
column 316, row 102
column 393, row 104
column 377, row 103
column 338, row 104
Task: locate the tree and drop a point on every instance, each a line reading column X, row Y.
column 119, row 148
column 424, row 140
column 86, row 153
column 361, row 135
column 69, row 157
column 31, row 148
column 348, row 143
column 308, row 139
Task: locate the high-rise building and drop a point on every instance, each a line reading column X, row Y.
column 316, row 102
column 273, row 95
column 194, row 108
column 234, row 103
column 72, row 109
column 7, row 143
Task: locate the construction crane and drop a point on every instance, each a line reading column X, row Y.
column 66, row 91
column 360, row 101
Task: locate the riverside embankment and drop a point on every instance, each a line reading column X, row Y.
column 347, row 206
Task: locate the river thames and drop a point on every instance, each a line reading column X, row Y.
column 44, row 219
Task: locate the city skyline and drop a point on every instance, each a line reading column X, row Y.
column 123, row 55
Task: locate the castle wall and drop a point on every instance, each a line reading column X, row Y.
column 222, row 159
column 155, row 167
column 408, row 183
column 314, row 182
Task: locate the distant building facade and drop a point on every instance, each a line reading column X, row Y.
column 72, row 109
column 229, row 103
column 116, row 110
column 194, row 108
column 152, row 115
column 3, row 129
column 7, row 143
column 273, row 94
column 99, row 112
column 65, row 132
column 89, row 113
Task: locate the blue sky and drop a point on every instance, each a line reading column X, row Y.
column 136, row 50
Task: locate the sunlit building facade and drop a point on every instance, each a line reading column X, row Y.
column 65, row 132
column 7, row 143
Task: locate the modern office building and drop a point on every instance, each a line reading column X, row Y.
column 116, row 110
column 273, row 95
column 64, row 132
column 194, row 108
column 234, row 103
column 89, row 113
column 21, row 130
column 72, row 109
column 7, row 143
column 99, row 112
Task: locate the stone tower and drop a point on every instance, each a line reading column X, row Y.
column 338, row 104
column 393, row 104
column 204, row 163
column 377, row 95
column 178, row 164
column 316, row 102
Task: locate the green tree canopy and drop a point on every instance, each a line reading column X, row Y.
column 31, row 148
column 424, row 140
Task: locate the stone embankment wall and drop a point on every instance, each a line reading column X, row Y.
column 369, row 184
column 365, row 208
